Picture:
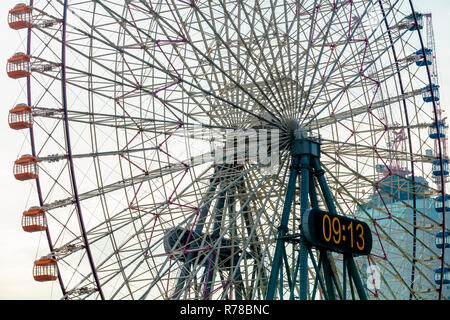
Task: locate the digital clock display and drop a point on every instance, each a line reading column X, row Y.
column 337, row 233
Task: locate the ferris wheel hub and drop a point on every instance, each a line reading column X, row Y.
column 305, row 143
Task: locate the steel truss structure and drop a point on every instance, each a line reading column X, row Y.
column 129, row 97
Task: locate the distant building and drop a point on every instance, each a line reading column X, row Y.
column 392, row 207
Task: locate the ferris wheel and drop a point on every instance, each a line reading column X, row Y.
column 242, row 150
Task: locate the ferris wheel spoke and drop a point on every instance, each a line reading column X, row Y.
column 242, row 209
column 388, row 238
column 363, row 69
column 253, row 236
column 153, row 245
column 343, row 189
column 366, row 150
column 214, row 25
column 171, row 75
column 46, row 89
column 268, row 23
column 297, row 19
column 136, row 123
column 170, row 169
column 373, row 182
column 228, row 75
column 278, row 81
column 99, row 62
column 126, row 122
column 325, row 121
column 317, row 63
column 132, row 85
column 348, row 39
column 123, row 253
column 299, row 100
column 297, row 47
column 64, row 228
column 295, row 23
column 306, row 53
column 119, row 227
column 214, row 246
column 278, row 96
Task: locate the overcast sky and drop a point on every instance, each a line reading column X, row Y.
column 18, row 249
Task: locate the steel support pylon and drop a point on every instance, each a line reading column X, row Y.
column 306, row 170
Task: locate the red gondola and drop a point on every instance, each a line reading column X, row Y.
column 45, row 270
column 34, row 220
column 20, row 17
column 18, row 66
column 26, row 168
column 20, row 117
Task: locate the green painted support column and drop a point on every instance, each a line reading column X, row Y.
column 282, row 231
column 354, row 274
column 328, row 274
column 320, row 174
column 305, row 163
column 313, row 193
column 319, row 279
column 344, row 277
column 306, row 166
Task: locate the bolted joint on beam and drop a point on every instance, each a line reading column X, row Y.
column 319, row 173
column 301, row 166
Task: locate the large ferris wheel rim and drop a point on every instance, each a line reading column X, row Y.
column 440, row 148
column 33, row 148
column 410, row 146
column 73, row 173
column 69, row 153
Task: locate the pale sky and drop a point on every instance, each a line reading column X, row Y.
column 18, row 250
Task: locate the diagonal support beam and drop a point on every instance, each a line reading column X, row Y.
column 306, row 170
